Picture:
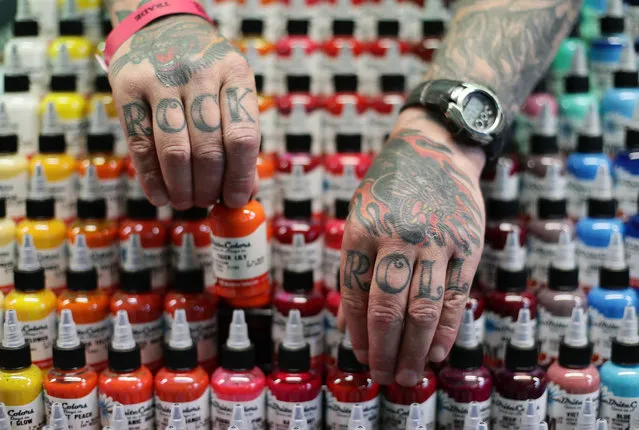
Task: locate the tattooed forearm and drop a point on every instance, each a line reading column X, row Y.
column 426, row 288
column 393, row 273
column 357, row 265
column 504, row 44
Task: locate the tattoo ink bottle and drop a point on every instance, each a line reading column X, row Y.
column 333, row 235
column 350, row 383
column 595, row 231
column 34, row 304
column 520, row 380
column 299, row 172
column 632, row 248
column 332, row 333
column 13, row 173
column 141, row 231
column 71, row 383
column 345, row 169
column 108, row 169
column 88, row 305
column 529, row 118
column 576, row 100
column 627, row 170
column 103, row 96
column 561, row 64
column 181, row 381
column 608, row 300
column 573, row 380
column 240, row 252
column 347, row 111
column 386, row 108
column 191, row 234
column 620, row 375
column 118, row 420
column 126, row 381
column 238, row 381
column 20, row 381
column 464, row 381
column 134, row 192
column 501, row 177
column 144, row 309
column 59, row 168
column 266, row 187
column 188, row 293
column 100, row 236
column 397, row 402
column 292, row 382
column 505, row 303
column 7, row 251
column 605, row 51
column 556, row 303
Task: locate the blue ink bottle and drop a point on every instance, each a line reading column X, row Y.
column 605, row 50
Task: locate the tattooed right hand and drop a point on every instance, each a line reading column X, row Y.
column 411, row 246
column 187, row 102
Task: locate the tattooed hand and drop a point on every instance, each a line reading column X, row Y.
column 187, row 102
column 411, row 247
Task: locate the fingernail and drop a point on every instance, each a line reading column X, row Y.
column 235, row 200
column 407, row 378
column 361, row 355
column 383, row 378
column 158, row 197
column 437, row 353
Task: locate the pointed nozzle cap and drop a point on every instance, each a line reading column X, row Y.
column 482, row 426
column 67, row 333
column 546, row 121
column 579, row 66
column 473, row 417
column 531, row 422
column 554, row 183
column 294, row 336
column 237, row 418
column 523, row 337
column 70, row 9
column 118, row 417
column 38, row 184
column 414, row 419
column 357, row 417
column 58, row 420
column 80, row 259
column 238, row 332
column 134, row 254
column 615, row 8
column 513, row 255
column 122, row 339
column 5, row 423
column 543, row 425
column 615, row 254
column 576, row 332
column 28, row 256
column 298, row 420
column 602, row 424
column 565, row 252
column 12, row 337
column 177, row 417
column 180, row 333
column 587, row 417
column 628, row 331
column 602, row 185
column 187, row 259
column 99, row 121
column 591, row 126
column 13, row 63
column 628, row 61
column 62, row 63
column 467, row 336
column 50, row 121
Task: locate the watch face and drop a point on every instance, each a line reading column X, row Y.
column 480, row 111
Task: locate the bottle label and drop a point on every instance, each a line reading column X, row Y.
column 203, row 333
column 222, row 411
column 499, row 329
column 540, row 254
column 333, row 335
column 393, row 415
column 451, row 413
column 577, row 193
column 41, row 335
column 632, row 254
column 589, row 261
column 64, row 193
column 196, row 413
column 313, row 331
column 300, row 256
column 532, row 187
column 82, row 413
column 342, row 187
column 148, row 336
column 27, row 417
column 617, row 410
column 54, row 263
column 279, row 412
column 140, row 416
column 155, row 259
column 614, row 133
column 602, row 331
column 564, row 408
column 7, row 261
column 300, row 185
column 551, row 330
column 241, row 261
column 112, row 191
column 626, row 185
column 266, row 195
column 95, row 337
column 602, row 74
column 338, row 413
column 508, row 414
column 14, row 191
column 106, row 262
column 330, row 262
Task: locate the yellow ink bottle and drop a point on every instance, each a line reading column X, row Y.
column 7, row 251
column 13, row 172
column 104, row 96
column 48, row 233
column 20, row 380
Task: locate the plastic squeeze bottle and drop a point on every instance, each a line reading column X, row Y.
column 7, row 250
column 627, row 169
column 14, row 172
column 191, row 233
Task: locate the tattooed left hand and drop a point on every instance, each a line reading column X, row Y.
column 412, row 243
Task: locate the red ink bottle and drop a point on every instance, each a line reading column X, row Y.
column 144, row 310
column 464, row 380
column 386, row 108
column 346, row 110
column 292, row 381
column 503, row 304
column 396, row 402
column 201, row 312
column 238, row 380
column 520, row 380
column 126, row 380
column 433, row 31
column 350, row 383
column 333, row 235
column 332, row 335
column 181, row 381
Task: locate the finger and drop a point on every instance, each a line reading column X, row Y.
column 386, row 310
column 241, row 134
column 459, row 279
column 207, row 151
column 136, row 119
column 424, row 309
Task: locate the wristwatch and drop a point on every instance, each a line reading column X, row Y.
column 471, row 112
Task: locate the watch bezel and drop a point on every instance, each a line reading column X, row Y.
column 455, row 113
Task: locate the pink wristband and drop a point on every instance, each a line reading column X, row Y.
column 143, row 16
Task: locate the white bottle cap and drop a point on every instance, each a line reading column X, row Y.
column 615, row 258
column 50, row 121
column 601, row 188
column 57, row 419
column 27, row 255
column 505, row 187
column 67, row 333
column 546, row 121
column 564, row 258
column 187, row 258
column 587, row 417
column 122, row 339
column 237, row 418
column 615, row 9
column 62, row 64
column 177, row 417
column 345, row 58
column 554, row 183
column 133, row 254
column 118, row 417
column 357, row 417
column 180, row 333
column 12, row 337
column 579, row 66
column 298, row 420
column 414, row 419
column 576, row 332
column 591, row 126
column 482, row 426
column 238, row 332
column 38, row 185
column 467, row 336
column 13, row 62
column 4, row 418
column 435, row 9
column 99, row 120
column 80, row 258
column 628, row 61
column 24, row 11
column 473, row 418
column 531, row 422
column 523, row 337
column 543, row 425
column 513, row 257
column 628, row 332
column 70, row 9
column 294, row 335
column 602, row 424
